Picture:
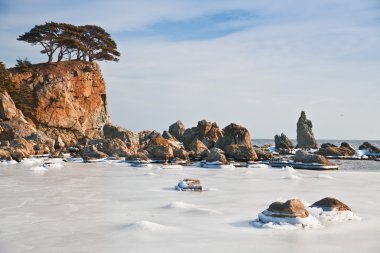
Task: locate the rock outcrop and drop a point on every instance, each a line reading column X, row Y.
column 282, row 142
column 177, row 130
column 207, row 132
column 304, row 157
column 236, row 143
column 328, row 149
column 305, row 136
column 70, row 100
column 115, row 132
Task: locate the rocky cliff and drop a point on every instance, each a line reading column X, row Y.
column 69, row 100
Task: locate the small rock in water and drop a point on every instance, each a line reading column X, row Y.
column 189, row 185
column 331, row 204
column 292, row 208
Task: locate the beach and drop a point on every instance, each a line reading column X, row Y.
column 112, row 207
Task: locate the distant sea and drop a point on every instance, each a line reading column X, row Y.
column 354, row 143
column 343, row 164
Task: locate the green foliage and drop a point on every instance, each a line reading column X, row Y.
column 24, row 65
column 89, row 42
column 21, row 95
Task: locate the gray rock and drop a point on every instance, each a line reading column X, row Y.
column 216, row 154
column 305, row 136
column 283, row 142
column 177, row 130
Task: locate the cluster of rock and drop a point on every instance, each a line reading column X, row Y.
column 329, row 149
column 370, row 148
column 70, row 115
column 294, row 212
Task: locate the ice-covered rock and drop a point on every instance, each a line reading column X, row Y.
column 189, row 185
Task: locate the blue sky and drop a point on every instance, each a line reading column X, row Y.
column 256, row 63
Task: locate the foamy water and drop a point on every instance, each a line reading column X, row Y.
column 108, row 208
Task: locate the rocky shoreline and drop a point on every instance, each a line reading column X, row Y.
column 69, row 115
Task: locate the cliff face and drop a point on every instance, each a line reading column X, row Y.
column 69, row 99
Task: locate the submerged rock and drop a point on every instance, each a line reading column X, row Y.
column 370, row 147
column 328, row 149
column 331, row 204
column 305, row 136
column 189, row 185
column 304, row 157
column 293, row 208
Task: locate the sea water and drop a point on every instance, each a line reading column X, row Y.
column 112, row 207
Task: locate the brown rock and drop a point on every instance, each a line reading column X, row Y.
column 234, row 134
column 91, row 152
column 331, row 204
column 112, row 147
column 292, row 208
column 304, row 157
column 159, row 148
column 22, row 144
column 263, row 154
column 129, row 137
column 143, row 156
column 198, row 149
column 240, row 152
column 5, row 154
column 8, row 108
column 67, row 98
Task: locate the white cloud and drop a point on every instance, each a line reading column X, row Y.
column 318, row 56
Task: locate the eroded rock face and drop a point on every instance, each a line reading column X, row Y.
column 304, row 157
column 115, row 132
column 177, row 130
column 69, row 97
column 234, row 134
column 305, row 136
column 331, row 204
column 293, row 208
column 207, row 132
column 8, row 108
column 283, row 142
column 159, row 148
column 91, row 152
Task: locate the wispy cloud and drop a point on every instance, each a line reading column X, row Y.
column 257, row 63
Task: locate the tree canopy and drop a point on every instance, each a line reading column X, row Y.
column 87, row 43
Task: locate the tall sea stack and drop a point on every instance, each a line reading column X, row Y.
column 305, row 136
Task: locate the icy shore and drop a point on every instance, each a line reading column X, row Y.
column 112, row 207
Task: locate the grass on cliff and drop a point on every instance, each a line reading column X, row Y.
column 22, row 95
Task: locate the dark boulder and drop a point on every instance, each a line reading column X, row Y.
column 283, row 142
column 305, row 136
column 331, row 204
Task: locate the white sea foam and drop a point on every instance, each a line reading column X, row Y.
column 333, row 216
column 6, row 163
column 266, row 221
column 39, row 169
column 32, row 162
column 258, row 166
column 325, row 176
column 290, row 173
column 190, row 207
column 171, row 166
column 144, row 225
